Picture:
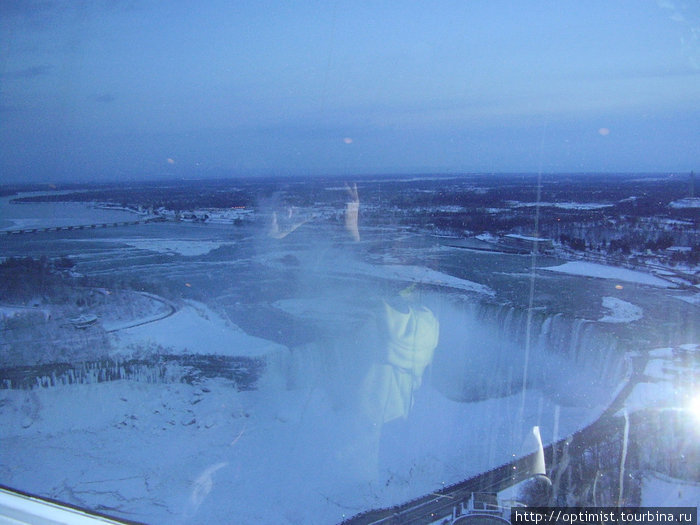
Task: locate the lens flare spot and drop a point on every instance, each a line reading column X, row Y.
column 694, row 408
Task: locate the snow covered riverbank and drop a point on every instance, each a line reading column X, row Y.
column 620, row 311
column 602, row 271
column 194, row 329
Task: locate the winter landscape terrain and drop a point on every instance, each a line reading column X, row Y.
column 230, row 354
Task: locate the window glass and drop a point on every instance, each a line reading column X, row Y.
column 331, row 261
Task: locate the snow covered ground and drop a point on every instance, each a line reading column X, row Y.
column 195, row 329
column 602, row 271
column 345, row 267
column 423, row 275
column 564, row 205
column 689, row 202
column 323, row 309
column 620, row 311
column 670, row 388
column 206, row 452
column 662, row 491
column 672, row 373
column 9, row 311
column 691, row 299
column 189, row 248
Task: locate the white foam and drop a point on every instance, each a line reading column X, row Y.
column 187, row 248
column 620, row 311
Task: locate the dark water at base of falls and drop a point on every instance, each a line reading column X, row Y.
column 488, row 351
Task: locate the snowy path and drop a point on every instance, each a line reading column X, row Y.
column 115, row 327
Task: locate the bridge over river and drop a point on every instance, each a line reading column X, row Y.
column 81, row 226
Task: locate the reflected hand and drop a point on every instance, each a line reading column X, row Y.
column 280, row 233
column 352, row 209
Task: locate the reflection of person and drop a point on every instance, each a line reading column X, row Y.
column 280, row 228
column 409, row 334
column 352, row 209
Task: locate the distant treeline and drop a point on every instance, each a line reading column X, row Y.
column 651, row 193
column 169, row 198
column 617, row 220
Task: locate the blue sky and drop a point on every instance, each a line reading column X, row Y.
column 105, row 90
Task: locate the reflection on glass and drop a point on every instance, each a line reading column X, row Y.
column 202, row 321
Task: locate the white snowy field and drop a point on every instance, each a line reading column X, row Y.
column 356, row 269
column 689, row 202
column 194, row 329
column 564, row 205
column 206, row 453
column 663, row 491
column 423, row 275
column 323, row 309
column 691, row 299
column 671, row 386
column 602, row 271
column 186, row 247
column 10, row 311
column 620, row 311
column 284, row 453
column 671, row 389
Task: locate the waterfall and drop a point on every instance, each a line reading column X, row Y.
column 244, row 372
column 481, row 354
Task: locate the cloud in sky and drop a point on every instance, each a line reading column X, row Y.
column 28, row 72
column 100, row 88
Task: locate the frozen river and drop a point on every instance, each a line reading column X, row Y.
column 297, row 448
column 20, row 216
